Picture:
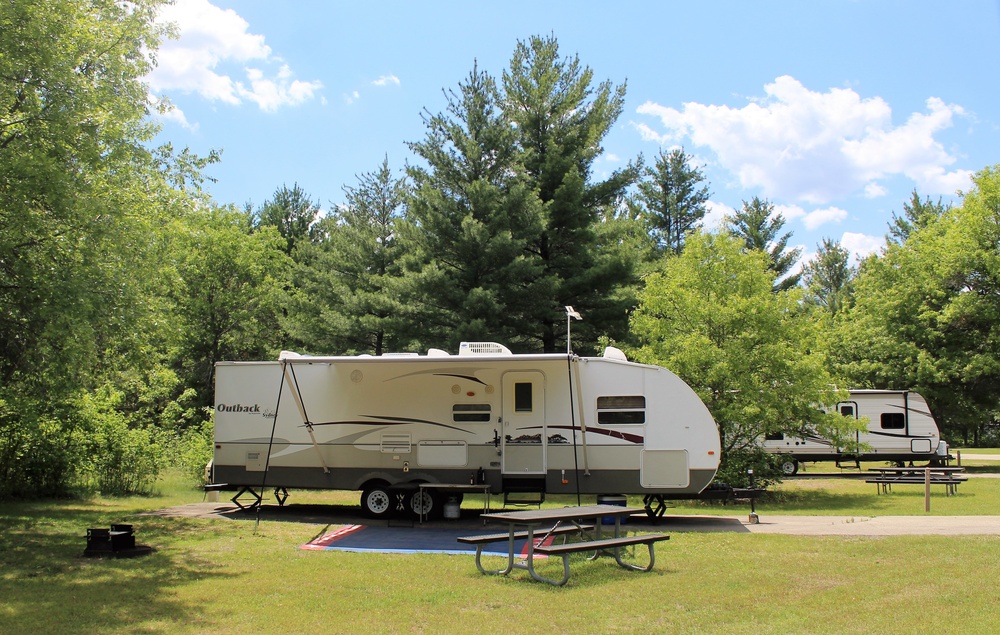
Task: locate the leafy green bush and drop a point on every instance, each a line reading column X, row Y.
column 121, row 460
column 191, row 450
column 38, row 454
column 736, row 463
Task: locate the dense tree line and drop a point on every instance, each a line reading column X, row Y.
column 122, row 284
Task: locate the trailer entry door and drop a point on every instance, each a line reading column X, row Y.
column 523, row 423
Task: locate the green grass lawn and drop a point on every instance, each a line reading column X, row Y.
column 221, row 577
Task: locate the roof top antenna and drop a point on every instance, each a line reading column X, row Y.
column 570, row 313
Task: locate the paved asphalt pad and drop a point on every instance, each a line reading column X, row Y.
column 471, row 524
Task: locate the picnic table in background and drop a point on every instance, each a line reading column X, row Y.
column 950, row 477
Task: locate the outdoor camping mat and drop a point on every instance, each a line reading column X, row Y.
column 365, row 538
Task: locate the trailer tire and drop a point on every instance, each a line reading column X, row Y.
column 790, row 467
column 376, row 501
column 424, row 504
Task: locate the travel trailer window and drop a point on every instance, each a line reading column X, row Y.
column 465, row 412
column 847, row 410
column 893, row 421
column 621, row 410
column 522, row 397
column 774, row 436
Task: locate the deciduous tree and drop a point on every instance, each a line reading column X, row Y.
column 225, row 294
column 83, row 206
column 712, row 317
column 926, row 313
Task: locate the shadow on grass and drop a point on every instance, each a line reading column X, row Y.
column 301, row 513
column 48, row 586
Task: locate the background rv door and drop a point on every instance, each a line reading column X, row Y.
column 850, row 409
column 524, row 437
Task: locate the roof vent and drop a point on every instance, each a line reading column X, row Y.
column 615, row 353
column 483, row 348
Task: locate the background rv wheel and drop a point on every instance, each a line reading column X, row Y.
column 376, row 502
column 790, row 467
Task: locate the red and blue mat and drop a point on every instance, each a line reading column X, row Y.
column 365, row 538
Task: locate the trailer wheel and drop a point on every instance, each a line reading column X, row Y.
column 376, row 502
column 423, row 504
column 790, row 467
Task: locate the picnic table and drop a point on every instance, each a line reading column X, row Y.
column 540, row 523
column 950, row 477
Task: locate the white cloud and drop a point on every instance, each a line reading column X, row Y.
column 214, row 43
column 804, row 257
column 177, row 116
column 861, row 245
column 715, row 215
column 820, row 217
column 874, row 190
column 811, row 220
column 169, row 112
column 790, row 212
column 798, row 144
column 386, row 80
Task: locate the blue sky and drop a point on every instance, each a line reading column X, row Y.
column 832, row 110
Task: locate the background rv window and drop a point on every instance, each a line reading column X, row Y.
column 893, row 421
column 621, row 410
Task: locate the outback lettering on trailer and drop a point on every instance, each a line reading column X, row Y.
column 254, row 409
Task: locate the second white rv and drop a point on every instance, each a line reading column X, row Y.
column 901, row 428
column 545, row 423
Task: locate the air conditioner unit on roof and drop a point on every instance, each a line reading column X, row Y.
column 483, row 348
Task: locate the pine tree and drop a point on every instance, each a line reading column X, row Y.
column 673, row 202
column 560, row 119
column 472, row 220
column 758, row 225
column 292, row 212
column 916, row 215
column 828, row 277
column 346, row 299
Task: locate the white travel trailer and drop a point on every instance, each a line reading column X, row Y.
column 541, row 423
column 901, row 428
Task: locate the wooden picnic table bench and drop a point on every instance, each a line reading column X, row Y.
column 612, row 545
column 568, row 520
column 482, row 540
column 889, row 476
